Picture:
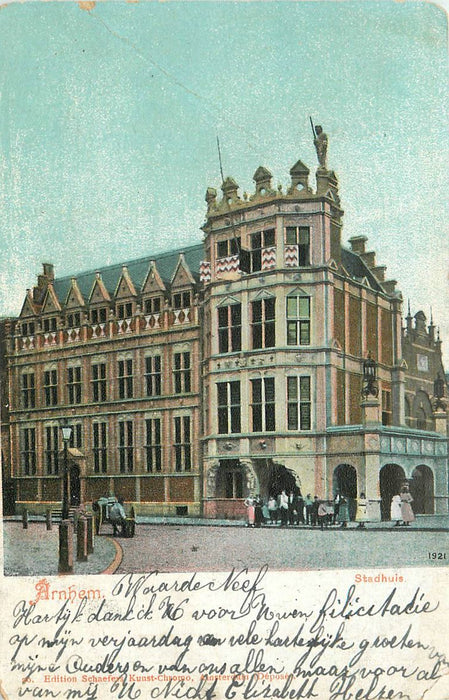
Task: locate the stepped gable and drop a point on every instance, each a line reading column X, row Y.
column 357, row 268
column 166, row 264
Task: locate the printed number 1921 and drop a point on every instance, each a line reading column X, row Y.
column 437, row 555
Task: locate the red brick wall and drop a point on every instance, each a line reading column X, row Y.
column 181, row 489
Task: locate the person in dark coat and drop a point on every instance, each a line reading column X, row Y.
column 343, row 512
column 300, row 509
column 314, row 511
column 292, row 513
column 258, row 514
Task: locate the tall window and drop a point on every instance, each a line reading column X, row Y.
column 51, row 387
column 181, row 372
column 74, row 320
column 124, row 310
column 229, row 408
column 300, row 236
column 28, row 390
column 153, row 305
column 99, row 393
column 230, row 328
column 99, row 315
column 182, row 300
column 51, row 449
column 29, row 451
column 386, row 407
column 263, row 323
column 262, row 404
column 153, row 446
column 153, row 375
column 49, row 324
column 259, row 241
column 183, row 448
column 74, row 384
column 298, row 403
column 76, row 438
column 28, row 328
column 229, row 247
column 125, row 379
column 298, row 320
column 100, row 431
column 126, row 446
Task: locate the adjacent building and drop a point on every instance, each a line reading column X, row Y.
column 268, row 356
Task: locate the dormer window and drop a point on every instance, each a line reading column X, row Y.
column 153, row 305
column 125, row 310
column 98, row 315
column 182, row 300
column 74, row 320
column 49, row 324
column 28, row 328
column 299, row 236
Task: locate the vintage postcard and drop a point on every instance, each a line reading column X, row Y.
column 224, row 344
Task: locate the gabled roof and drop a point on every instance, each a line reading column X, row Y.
column 182, row 275
column 138, row 269
column 51, row 301
column 74, row 297
column 357, row 269
column 29, row 309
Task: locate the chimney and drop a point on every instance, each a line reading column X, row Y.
column 357, row 244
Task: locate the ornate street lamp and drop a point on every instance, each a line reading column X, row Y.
column 66, row 430
column 65, row 527
column 369, row 377
column 438, row 392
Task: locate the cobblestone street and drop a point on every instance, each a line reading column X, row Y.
column 169, row 547
column 173, row 548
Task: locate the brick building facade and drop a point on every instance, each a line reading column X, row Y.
column 235, row 366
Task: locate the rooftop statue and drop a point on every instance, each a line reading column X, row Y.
column 320, row 143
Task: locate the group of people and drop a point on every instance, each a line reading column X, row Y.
column 294, row 509
column 401, row 507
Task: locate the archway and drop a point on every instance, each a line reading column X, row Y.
column 280, row 479
column 391, row 479
column 345, row 482
column 422, row 490
column 75, row 485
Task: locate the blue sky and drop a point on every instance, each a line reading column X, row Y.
column 108, row 121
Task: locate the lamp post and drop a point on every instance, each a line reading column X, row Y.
column 66, row 430
column 438, row 392
column 65, row 527
column 369, row 377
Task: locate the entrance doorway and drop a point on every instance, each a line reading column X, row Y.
column 345, row 482
column 422, row 490
column 391, row 477
column 75, row 485
column 280, row 479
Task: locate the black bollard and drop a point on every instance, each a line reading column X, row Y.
column 81, row 539
column 48, row 519
column 90, row 532
column 25, row 519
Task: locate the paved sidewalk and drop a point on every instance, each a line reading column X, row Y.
column 34, row 551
